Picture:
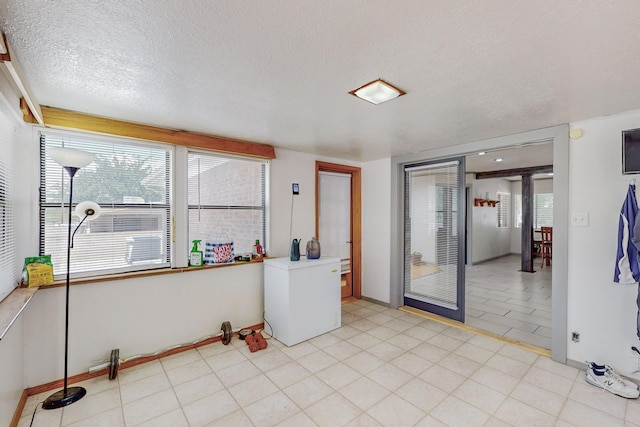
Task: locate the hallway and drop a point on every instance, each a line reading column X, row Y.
column 502, row 300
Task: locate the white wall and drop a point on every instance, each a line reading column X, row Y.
column 12, row 352
column 11, row 371
column 137, row 316
column 289, row 167
column 604, row 313
column 376, row 229
column 487, row 241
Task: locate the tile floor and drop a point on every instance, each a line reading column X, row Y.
column 503, row 300
column 383, row 367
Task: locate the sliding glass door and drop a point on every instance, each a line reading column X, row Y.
column 434, row 237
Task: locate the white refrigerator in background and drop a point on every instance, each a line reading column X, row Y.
column 301, row 298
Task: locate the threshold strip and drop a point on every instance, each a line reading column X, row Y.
column 535, row 349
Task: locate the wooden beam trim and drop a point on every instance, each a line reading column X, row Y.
column 27, row 115
column 58, row 118
column 515, row 172
column 5, row 56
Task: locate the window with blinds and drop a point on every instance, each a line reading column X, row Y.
column 227, row 201
column 504, row 207
column 517, row 211
column 131, row 182
column 542, row 210
column 8, row 263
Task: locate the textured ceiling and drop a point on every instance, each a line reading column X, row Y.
column 279, row 72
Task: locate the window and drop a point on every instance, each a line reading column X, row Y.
column 227, row 200
column 447, row 209
column 542, row 210
column 517, row 211
column 134, row 185
column 8, row 262
column 131, row 181
column 504, row 207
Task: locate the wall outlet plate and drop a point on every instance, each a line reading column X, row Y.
column 579, row 219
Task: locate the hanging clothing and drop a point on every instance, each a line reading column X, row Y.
column 627, row 270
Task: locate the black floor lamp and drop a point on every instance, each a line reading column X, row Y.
column 71, row 160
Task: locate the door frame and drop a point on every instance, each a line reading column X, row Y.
column 356, row 214
column 434, row 307
column 559, row 135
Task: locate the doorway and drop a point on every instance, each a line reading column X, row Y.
column 559, row 135
column 434, row 237
column 338, row 221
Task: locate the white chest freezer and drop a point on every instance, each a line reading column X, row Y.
column 301, row 298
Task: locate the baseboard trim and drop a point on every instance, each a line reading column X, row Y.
column 18, row 412
column 54, row 385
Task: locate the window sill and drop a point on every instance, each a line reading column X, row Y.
column 12, row 306
column 146, row 273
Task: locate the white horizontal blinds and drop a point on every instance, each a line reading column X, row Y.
column 131, row 183
column 227, row 200
column 431, row 224
column 334, row 217
column 517, row 211
column 8, row 263
column 504, row 207
column 543, row 210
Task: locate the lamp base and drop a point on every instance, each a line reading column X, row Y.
column 60, row 398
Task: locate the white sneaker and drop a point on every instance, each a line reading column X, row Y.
column 603, row 368
column 610, row 382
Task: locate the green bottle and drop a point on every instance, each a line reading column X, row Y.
column 195, row 256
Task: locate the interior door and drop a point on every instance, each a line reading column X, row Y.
column 338, row 220
column 434, row 212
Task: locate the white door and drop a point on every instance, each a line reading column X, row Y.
column 334, row 222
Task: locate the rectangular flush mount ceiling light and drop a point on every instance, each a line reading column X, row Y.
column 377, row 92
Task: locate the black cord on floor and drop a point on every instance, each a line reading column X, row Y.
column 270, row 328
column 34, row 412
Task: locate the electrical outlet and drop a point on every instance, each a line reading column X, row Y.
column 575, row 337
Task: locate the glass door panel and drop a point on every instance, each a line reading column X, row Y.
column 434, row 244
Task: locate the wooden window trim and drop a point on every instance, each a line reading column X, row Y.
column 58, row 118
column 146, row 273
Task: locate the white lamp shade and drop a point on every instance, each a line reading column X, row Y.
column 70, row 157
column 86, row 208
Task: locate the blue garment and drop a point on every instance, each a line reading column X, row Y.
column 627, row 270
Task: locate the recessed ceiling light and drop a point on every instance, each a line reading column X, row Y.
column 482, row 153
column 499, row 159
column 377, row 92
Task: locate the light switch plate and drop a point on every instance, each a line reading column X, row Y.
column 580, row 220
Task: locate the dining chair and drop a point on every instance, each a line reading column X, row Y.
column 547, row 241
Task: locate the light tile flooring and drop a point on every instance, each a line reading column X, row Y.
column 382, row 367
column 503, row 300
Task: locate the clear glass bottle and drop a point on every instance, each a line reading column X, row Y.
column 313, row 249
